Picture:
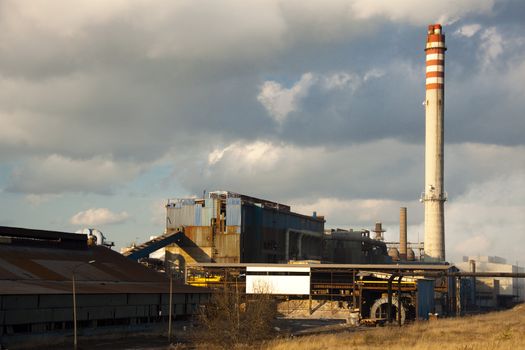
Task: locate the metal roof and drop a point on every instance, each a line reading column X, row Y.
column 29, row 269
column 27, row 287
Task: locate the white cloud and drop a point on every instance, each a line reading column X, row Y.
column 341, row 80
column 492, row 46
column 11, row 132
column 477, row 244
column 251, row 156
column 421, row 12
column 468, row 30
column 182, row 29
column 280, row 101
column 359, row 213
column 282, row 170
column 158, row 212
column 56, row 174
column 488, row 219
column 98, row 216
column 373, row 73
column 92, row 90
column 38, row 199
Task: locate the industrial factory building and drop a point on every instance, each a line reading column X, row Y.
column 228, row 227
column 39, row 269
column 52, row 281
column 489, row 292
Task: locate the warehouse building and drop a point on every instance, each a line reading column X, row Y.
column 38, row 270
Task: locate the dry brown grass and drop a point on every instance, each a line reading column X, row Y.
column 497, row 330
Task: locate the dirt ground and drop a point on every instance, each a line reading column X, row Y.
column 495, row 330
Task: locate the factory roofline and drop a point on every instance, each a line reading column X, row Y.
column 248, row 200
column 401, row 266
column 27, row 287
column 48, row 266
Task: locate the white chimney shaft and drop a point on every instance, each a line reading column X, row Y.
column 434, row 194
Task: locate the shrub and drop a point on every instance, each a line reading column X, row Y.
column 232, row 318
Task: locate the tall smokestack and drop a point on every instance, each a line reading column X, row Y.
column 403, row 233
column 434, row 195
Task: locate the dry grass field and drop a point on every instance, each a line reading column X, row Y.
column 496, row 330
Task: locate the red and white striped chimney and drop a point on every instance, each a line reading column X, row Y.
column 434, row 195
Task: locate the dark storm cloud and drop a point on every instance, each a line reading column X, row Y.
column 135, row 86
column 316, row 104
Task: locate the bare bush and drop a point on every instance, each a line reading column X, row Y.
column 231, row 318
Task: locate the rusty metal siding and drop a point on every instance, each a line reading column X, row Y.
column 188, row 255
column 233, row 229
column 263, row 230
column 227, row 248
column 198, row 235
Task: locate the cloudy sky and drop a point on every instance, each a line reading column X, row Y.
column 108, row 108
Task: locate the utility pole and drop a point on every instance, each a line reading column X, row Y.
column 75, row 342
column 170, row 306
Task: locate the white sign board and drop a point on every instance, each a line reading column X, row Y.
column 278, row 280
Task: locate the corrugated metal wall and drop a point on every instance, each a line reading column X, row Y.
column 425, row 298
column 233, row 212
column 58, row 308
column 251, row 233
column 196, row 247
column 188, row 213
column 263, row 233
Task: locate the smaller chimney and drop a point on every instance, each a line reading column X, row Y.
column 472, row 264
column 403, row 233
column 379, row 231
